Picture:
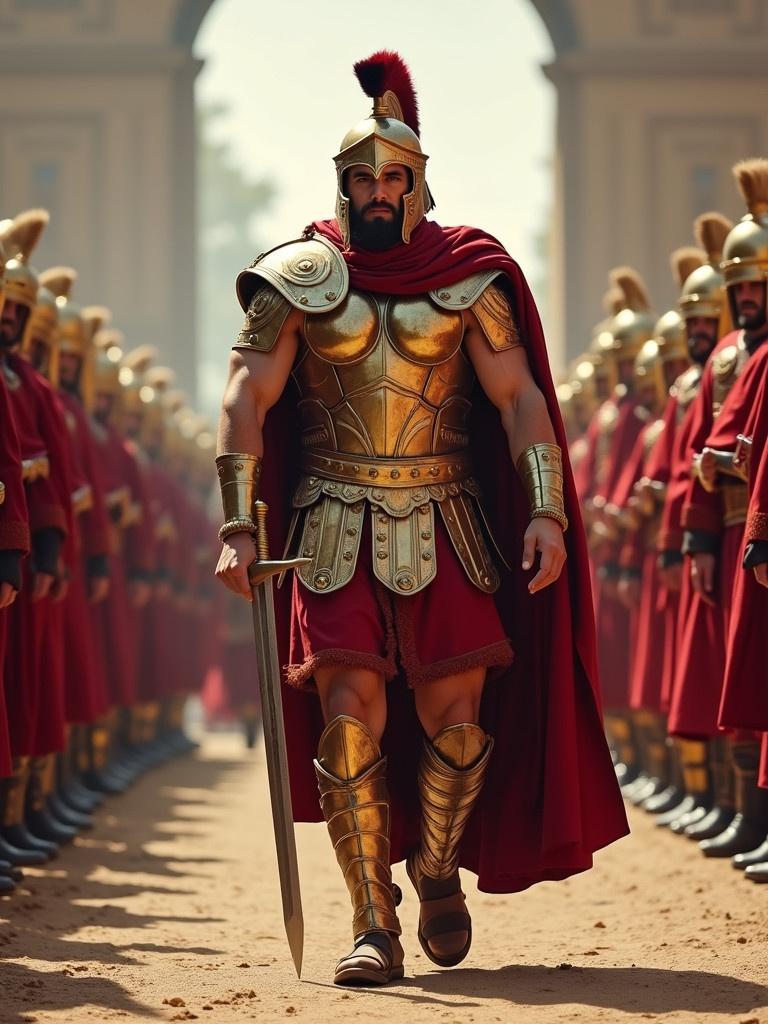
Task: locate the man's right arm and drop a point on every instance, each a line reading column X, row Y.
column 257, row 379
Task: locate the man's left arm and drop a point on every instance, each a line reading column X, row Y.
column 506, row 378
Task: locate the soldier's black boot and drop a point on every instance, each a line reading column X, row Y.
column 40, row 822
column 14, row 829
column 759, row 855
column 722, row 774
column 671, row 797
column 98, row 776
column 693, row 757
column 748, row 828
column 618, row 730
column 72, row 764
column 651, row 730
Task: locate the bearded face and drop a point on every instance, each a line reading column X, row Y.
column 376, row 205
column 749, row 301
column 13, row 320
column 701, row 334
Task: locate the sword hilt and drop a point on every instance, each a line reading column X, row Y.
column 260, row 509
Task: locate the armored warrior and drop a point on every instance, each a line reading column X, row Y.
column 389, row 374
column 714, row 517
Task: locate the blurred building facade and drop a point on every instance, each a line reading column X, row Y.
column 656, row 100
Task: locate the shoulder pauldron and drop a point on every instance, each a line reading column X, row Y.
column 488, row 302
column 308, row 274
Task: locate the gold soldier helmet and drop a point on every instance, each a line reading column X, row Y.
column 19, row 238
column 703, row 291
column 633, row 325
column 602, row 349
column 157, row 382
column 585, row 388
column 669, row 332
column 745, row 252
column 390, row 135
column 136, row 392
column 649, row 375
column 41, row 339
column 108, row 345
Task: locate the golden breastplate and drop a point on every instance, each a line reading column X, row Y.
column 384, row 403
column 384, row 377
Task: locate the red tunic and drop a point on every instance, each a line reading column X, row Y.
column 615, row 625
column 639, row 556
column 34, row 667
column 697, row 686
column 551, row 796
column 745, row 690
column 87, row 698
column 14, row 536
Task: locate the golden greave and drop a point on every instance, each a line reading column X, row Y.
column 351, row 775
column 451, row 776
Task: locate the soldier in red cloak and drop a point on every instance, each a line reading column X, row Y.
column 14, row 545
column 390, row 371
column 34, row 664
column 639, row 497
column 714, row 519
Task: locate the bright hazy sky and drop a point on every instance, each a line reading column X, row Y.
column 285, row 71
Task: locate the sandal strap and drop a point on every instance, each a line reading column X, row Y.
column 458, row 921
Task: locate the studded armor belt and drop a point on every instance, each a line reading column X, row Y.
column 734, row 504
column 331, row 507
column 381, row 473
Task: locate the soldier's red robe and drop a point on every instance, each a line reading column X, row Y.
column 615, row 624
column 551, row 798
column 744, row 702
column 14, row 538
column 87, row 698
column 698, row 682
column 638, row 555
column 34, row 665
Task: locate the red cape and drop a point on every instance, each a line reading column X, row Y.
column 551, row 798
column 745, row 694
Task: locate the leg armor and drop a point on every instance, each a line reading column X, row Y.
column 451, row 776
column 351, row 775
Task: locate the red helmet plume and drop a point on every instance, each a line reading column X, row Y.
column 386, row 71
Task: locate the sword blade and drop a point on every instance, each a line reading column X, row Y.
column 277, row 766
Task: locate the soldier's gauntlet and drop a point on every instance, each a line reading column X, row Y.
column 239, row 482
column 541, row 470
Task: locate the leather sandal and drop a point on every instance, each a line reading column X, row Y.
column 376, row 959
column 442, row 916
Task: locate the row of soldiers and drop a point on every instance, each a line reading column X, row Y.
column 106, row 557
column 668, row 420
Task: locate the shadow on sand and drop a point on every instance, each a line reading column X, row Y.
column 42, row 919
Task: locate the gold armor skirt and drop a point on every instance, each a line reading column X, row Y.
column 336, row 492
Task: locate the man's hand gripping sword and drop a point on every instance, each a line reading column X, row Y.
column 260, row 575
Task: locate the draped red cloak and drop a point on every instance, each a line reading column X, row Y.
column 646, row 658
column 551, row 797
column 698, row 681
column 34, row 664
column 87, row 698
column 745, row 689
column 615, row 624
column 14, row 536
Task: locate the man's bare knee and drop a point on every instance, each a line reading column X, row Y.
column 356, row 692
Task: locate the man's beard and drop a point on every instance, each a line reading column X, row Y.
column 751, row 320
column 12, row 327
column 700, row 347
column 378, row 234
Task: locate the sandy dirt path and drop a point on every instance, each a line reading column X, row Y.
column 170, row 911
